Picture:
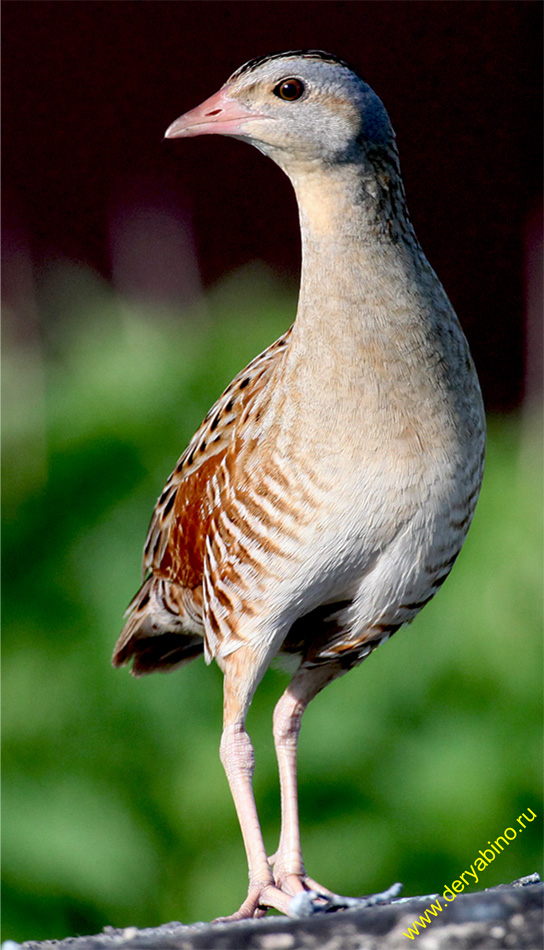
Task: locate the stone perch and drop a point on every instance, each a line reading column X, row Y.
column 508, row 916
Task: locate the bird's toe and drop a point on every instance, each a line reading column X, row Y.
column 315, row 899
column 261, row 898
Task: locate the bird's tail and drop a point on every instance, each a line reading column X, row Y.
column 162, row 631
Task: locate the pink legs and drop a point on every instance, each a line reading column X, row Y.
column 289, row 869
column 265, row 888
column 238, row 759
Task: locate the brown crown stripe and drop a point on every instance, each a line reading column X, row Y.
column 316, row 54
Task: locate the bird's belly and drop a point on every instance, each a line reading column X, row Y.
column 382, row 537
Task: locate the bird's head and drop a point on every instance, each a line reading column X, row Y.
column 300, row 107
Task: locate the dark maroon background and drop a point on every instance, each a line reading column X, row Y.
column 89, row 88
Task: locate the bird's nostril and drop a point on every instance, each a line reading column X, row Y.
column 214, row 112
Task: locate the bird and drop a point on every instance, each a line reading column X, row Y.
column 327, row 493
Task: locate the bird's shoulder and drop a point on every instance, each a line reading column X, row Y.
column 175, row 540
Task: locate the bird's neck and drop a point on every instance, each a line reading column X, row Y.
column 354, row 202
column 363, row 271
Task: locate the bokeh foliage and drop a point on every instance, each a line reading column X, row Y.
column 116, row 810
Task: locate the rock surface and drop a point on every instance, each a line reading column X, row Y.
column 508, row 916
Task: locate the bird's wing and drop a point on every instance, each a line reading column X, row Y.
column 182, row 504
column 164, row 620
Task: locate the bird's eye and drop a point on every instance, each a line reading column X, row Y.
column 289, row 89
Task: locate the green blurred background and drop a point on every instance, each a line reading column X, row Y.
column 115, row 806
column 116, row 810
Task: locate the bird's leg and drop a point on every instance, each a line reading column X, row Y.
column 289, row 872
column 288, row 889
column 242, row 674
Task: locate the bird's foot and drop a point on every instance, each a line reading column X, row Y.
column 309, row 897
column 300, row 896
column 282, row 893
column 260, row 898
column 319, row 900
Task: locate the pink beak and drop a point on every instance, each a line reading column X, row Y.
column 218, row 115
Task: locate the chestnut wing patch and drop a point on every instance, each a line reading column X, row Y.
column 174, row 546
